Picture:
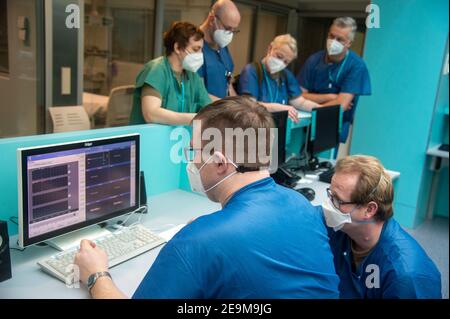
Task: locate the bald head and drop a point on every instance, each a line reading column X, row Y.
column 227, row 12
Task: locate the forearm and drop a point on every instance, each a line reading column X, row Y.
column 213, row 97
column 105, row 288
column 319, row 98
column 231, row 90
column 163, row 116
column 303, row 104
column 345, row 105
column 271, row 107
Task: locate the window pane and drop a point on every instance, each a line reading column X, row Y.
column 118, row 42
column 4, row 62
column 194, row 11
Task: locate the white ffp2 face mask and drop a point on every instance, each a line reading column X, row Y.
column 222, row 37
column 193, row 61
column 334, row 47
column 195, row 179
column 336, row 219
column 275, row 65
column 333, row 217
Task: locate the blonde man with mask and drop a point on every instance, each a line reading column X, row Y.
column 271, row 83
column 374, row 257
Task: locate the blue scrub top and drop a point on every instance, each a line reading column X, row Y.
column 267, row 242
column 348, row 76
column 217, row 68
column 405, row 270
column 268, row 90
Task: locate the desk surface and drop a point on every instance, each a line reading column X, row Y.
column 434, row 151
column 165, row 211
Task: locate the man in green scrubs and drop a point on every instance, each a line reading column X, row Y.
column 168, row 89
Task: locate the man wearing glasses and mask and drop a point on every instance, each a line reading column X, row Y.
column 374, row 257
column 337, row 75
column 219, row 28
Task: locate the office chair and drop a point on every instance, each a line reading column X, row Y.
column 119, row 106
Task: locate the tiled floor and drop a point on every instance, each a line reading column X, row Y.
column 433, row 235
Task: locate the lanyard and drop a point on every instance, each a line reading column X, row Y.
column 330, row 85
column 180, row 97
column 266, row 77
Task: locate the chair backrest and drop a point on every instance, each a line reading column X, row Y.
column 119, row 106
column 69, row 118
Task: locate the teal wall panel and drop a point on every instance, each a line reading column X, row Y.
column 404, row 62
column 162, row 174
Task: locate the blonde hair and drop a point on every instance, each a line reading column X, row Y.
column 285, row 39
column 374, row 183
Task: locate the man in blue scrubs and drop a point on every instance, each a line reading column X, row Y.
column 374, row 257
column 267, row 241
column 271, row 83
column 219, row 28
column 337, row 75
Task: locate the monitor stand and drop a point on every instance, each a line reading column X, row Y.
column 73, row 239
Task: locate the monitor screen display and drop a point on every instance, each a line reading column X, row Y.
column 69, row 186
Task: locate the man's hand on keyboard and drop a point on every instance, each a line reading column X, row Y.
column 90, row 259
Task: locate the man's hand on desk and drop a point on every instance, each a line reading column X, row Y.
column 92, row 259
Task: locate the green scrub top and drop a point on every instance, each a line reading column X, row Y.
column 189, row 97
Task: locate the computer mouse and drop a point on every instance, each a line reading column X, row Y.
column 309, row 193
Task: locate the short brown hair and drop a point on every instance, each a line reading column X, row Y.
column 180, row 32
column 374, row 183
column 239, row 112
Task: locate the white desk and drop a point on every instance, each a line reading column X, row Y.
column 165, row 211
column 434, row 151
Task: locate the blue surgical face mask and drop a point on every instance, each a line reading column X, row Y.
column 195, row 179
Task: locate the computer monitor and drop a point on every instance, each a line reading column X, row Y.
column 66, row 187
column 325, row 129
column 280, row 121
column 281, row 175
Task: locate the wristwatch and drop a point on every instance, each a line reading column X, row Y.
column 93, row 278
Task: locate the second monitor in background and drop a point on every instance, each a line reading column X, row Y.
column 323, row 134
column 282, row 176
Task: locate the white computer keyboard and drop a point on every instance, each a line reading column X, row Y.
column 120, row 246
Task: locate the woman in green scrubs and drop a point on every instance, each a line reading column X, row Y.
column 168, row 89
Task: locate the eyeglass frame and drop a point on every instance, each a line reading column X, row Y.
column 226, row 28
column 340, row 202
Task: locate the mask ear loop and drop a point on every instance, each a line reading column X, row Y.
column 227, row 177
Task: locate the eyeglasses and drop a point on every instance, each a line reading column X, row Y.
column 336, row 201
column 226, row 28
column 190, row 153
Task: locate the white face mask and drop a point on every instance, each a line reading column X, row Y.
column 333, row 217
column 336, row 219
column 334, row 47
column 195, row 179
column 275, row 65
column 222, row 37
column 193, row 61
